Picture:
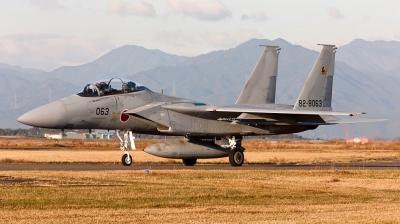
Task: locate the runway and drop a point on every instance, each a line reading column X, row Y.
column 99, row 167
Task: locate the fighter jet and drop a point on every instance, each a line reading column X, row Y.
column 209, row 130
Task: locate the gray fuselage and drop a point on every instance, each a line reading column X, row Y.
column 106, row 112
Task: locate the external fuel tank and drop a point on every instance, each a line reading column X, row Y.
column 185, row 149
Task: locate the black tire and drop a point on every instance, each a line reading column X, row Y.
column 124, row 160
column 236, row 157
column 189, row 162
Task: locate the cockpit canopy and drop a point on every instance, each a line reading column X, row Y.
column 111, row 86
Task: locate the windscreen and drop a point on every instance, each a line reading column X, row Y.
column 112, row 86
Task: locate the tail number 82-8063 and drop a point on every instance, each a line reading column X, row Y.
column 310, row 103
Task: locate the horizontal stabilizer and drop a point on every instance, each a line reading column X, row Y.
column 255, row 110
column 344, row 121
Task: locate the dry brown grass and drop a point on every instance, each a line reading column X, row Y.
column 268, row 145
column 98, row 151
column 250, row 145
column 189, row 196
column 275, row 157
column 35, row 143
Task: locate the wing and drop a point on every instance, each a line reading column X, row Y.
column 267, row 114
column 157, row 114
column 251, row 109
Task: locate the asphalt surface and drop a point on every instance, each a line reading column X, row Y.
column 98, row 167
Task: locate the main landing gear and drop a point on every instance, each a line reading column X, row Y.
column 236, row 156
column 127, row 141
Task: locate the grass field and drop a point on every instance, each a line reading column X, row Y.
column 97, row 151
column 200, row 197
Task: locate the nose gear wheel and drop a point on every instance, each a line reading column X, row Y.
column 126, row 160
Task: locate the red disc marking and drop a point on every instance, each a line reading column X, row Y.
column 124, row 117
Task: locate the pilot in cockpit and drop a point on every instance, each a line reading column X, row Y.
column 95, row 93
column 102, row 88
column 88, row 92
column 130, row 86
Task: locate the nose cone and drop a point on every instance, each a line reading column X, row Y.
column 52, row 115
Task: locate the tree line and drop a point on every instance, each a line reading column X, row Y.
column 23, row 132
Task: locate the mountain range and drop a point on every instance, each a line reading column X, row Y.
column 366, row 79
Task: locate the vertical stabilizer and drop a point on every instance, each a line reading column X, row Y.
column 261, row 86
column 317, row 92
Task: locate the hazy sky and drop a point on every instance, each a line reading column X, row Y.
column 47, row 34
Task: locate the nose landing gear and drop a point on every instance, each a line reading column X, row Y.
column 126, row 160
column 128, row 141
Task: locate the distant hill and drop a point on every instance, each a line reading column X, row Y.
column 24, row 89
column 20, row 99
column 10, row 79
column 120, row 62
column 20, row 69
column 219, row 76
column 374, row 57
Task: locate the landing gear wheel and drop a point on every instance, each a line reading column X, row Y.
column 236, row 157
column 189, row 162
column 126, row 161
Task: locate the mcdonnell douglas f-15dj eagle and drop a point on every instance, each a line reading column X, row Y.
column 210, row 131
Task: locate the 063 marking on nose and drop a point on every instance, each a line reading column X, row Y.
column 102, row 111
